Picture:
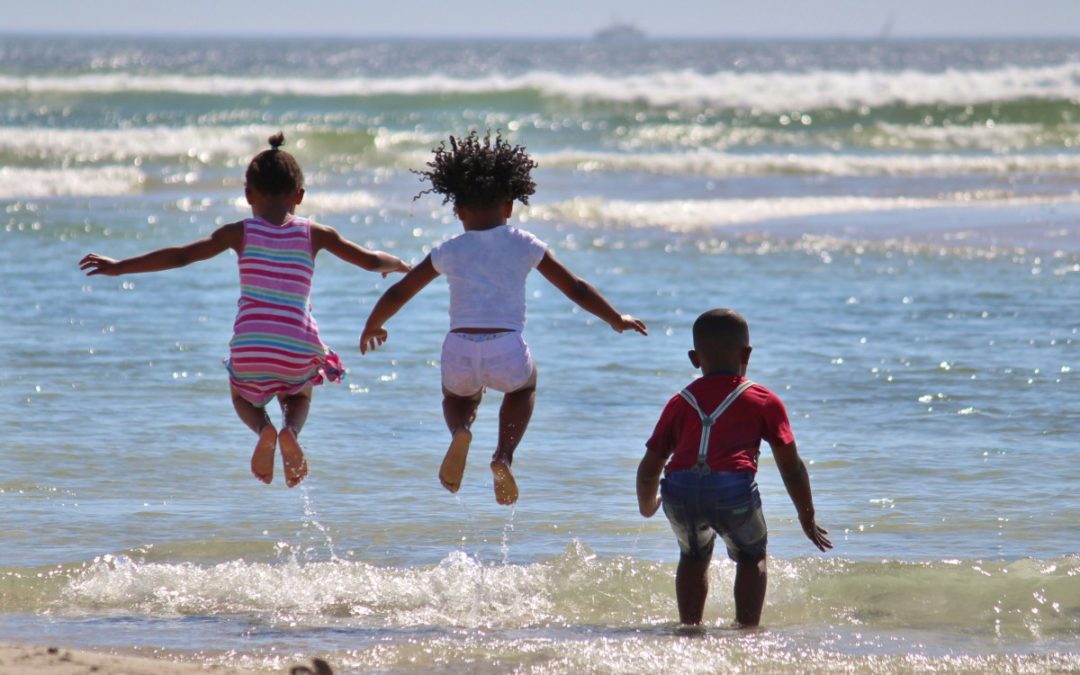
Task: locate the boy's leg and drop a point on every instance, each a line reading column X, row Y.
column 459, row 413
column 691, row 587
column 751, row 578
column 514, row 415
column 262, row 459
column 294, row 410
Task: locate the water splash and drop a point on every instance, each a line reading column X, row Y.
column 311, row 521
column 504, row 546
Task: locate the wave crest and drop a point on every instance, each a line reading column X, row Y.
column 20, row 183
column 767, row 91
column 1024, row 598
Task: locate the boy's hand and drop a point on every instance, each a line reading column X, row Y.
column 402, row 267
column 649, row 509
column 627, row 322
column 648, row 483
column 815, row 533
column 94, row 264
column 372, row 338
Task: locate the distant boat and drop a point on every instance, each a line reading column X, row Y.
column 619, row 32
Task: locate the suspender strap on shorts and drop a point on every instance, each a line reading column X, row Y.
column 707, row 421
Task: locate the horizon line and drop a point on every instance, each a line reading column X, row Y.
column 575, row 37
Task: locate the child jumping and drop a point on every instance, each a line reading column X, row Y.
column 275, row 351
column 711, row 431
column 486, row 267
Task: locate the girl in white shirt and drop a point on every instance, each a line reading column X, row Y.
column 486, row 268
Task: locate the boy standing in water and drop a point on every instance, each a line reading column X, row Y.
column 711, row 431
column 486, row 268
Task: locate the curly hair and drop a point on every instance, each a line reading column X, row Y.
column 274, row 171
column 479, row 172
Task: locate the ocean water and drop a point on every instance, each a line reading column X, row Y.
column 897, row 221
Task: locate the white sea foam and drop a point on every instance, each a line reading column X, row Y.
column 317, row 202
column 22, row 183
column 93, row 145
column 209, row 143
column 687, row 215
column 576, row 587
column 711, row 163
column 985, row 137
column 768, row 91
column 204, row 144
column 992, row 137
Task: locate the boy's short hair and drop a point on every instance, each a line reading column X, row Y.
column 479, row 172
column 274, row 171
column 721, row 330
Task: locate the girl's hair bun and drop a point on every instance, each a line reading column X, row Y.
column 274, row 171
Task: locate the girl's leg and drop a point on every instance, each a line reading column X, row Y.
column 459, row 413
column 262, row 459
column 514, row 416
column 294, row 410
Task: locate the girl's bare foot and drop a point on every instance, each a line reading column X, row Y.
column 453, row 464
column 292, row 456
column 506, row 490
column 262, row 460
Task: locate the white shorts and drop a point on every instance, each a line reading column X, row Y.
column 501, row 361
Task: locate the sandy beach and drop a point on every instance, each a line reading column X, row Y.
column 27, row 660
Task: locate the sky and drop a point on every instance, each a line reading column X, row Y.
column 547, row 18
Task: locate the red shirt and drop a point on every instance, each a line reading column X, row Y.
column 735, row 439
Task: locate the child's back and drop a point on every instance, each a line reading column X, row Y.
column 276, row 349
column 706, row 443
column 486, row 271
column 486, row 268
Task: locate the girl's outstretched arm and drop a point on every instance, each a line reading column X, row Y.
column 585, row 296
column 392, row 300
column 223, row 238
column 326, row 237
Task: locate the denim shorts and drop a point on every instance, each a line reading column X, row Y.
column 700, row 507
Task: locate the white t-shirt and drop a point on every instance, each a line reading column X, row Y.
column 486, row 270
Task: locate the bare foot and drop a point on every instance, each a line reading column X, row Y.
column 262, row 460
column 292, row 456
column 506, row 490
column 453, row 464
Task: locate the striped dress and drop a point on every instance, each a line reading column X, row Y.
column 275, row 347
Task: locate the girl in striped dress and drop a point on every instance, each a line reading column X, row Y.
column 275, row 351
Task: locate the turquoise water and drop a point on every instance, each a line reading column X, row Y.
column 897, row 222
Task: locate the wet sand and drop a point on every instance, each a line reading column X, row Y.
column 35, row 660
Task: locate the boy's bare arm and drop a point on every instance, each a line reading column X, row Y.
column 648, row 483
column 225, row 237
column 585, row 296
column 797, row 481
column 393, row 300
column 326, row 237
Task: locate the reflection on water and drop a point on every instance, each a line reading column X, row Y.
column 908, row 266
